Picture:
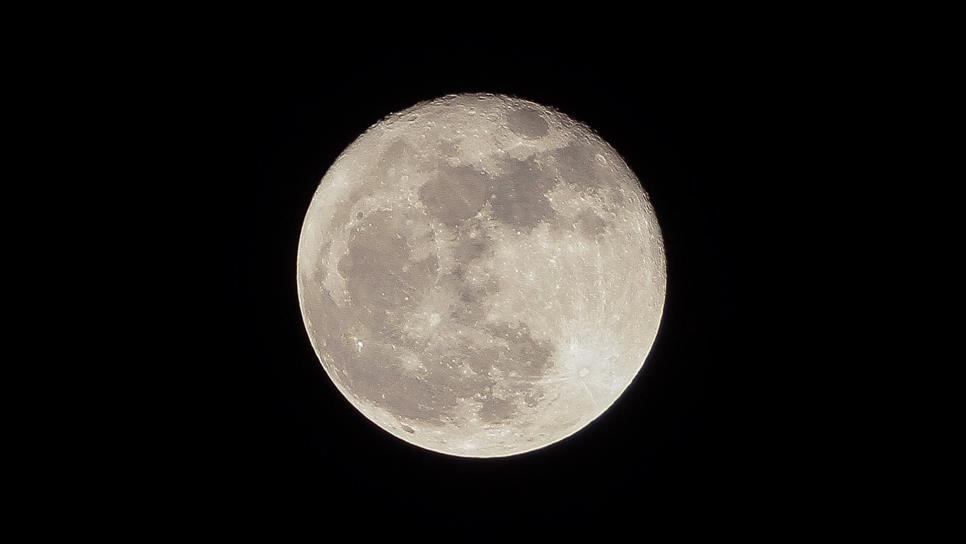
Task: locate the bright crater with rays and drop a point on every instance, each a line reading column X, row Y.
column 481, row 275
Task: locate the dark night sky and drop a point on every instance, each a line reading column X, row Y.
column 709, row 128
column 174, row 154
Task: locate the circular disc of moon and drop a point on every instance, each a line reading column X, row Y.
column 481, row 275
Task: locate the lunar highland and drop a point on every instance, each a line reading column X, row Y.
column 481, row 275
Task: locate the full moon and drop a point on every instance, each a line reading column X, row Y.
column 481, row 275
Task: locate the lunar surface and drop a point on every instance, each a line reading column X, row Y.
column 481, row 275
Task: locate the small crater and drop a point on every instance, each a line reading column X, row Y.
column 407, row 428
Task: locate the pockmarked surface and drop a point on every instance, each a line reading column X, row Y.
column 481, row 275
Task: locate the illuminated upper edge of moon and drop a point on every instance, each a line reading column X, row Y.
column 481, row 275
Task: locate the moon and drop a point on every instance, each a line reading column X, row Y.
column 481, row 275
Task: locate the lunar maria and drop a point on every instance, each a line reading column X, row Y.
column 481, row 275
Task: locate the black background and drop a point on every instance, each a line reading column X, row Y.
column 713, row 129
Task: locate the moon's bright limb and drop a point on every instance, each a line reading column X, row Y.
column 481, row 275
